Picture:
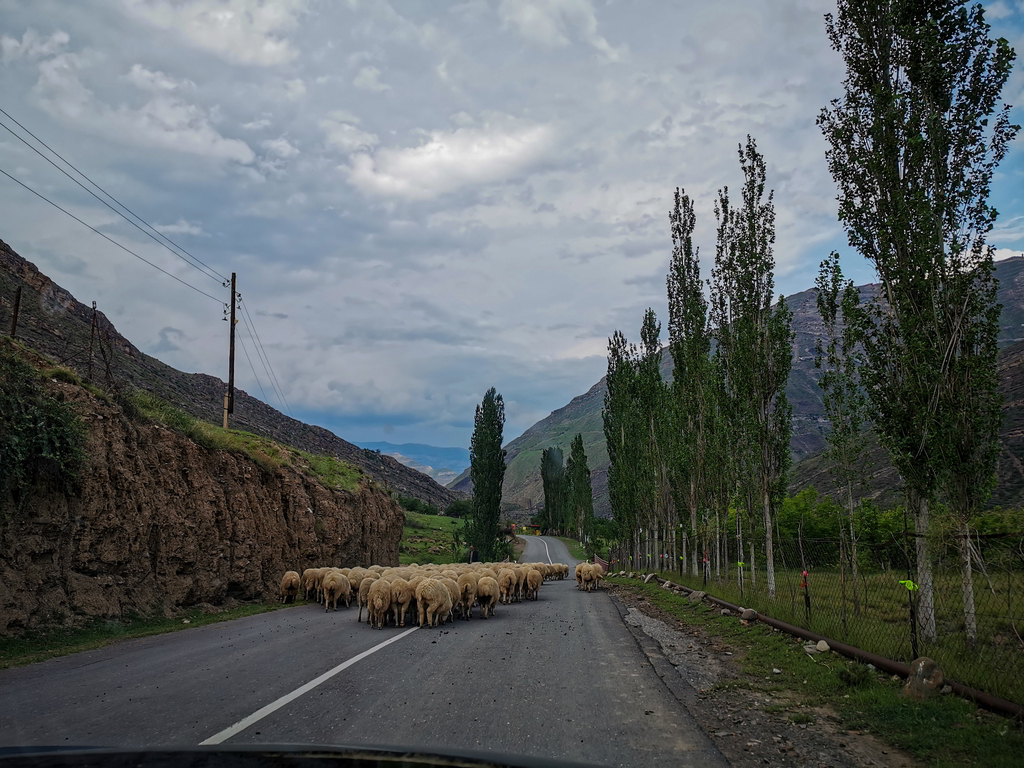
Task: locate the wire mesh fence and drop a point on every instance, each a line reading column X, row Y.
column 971, row 620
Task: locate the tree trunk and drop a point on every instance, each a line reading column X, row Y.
column 967, row 578
column 925, row 583
column 693, row 522
column 753, row 569
column 853, row 549
column 769, row 543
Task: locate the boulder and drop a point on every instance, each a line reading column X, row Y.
column 696, row 597
column 823, row 646
column 749, row 614
column 648, row 577
column 925, row 679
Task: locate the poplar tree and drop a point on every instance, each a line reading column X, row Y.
column 487, row 470
column 580, row 495
column 838, row 357
column 756, row 344
column 692, row 391
column 912, row 149
column 554, row 480
column 619, row 427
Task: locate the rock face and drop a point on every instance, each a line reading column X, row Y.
column 925, row 679
column 161, row 522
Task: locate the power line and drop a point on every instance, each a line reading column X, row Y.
column 156, row 233
column 109, row 239
column 270, row 369
column 261, row 357
column 242, row 342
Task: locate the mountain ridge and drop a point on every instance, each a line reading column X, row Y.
column 56, row 324
column 522, row 488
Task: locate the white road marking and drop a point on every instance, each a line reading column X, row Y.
column 273, row 706
column 546, row 550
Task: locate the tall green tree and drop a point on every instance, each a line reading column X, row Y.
column 487, row 470
column 619, row 422
column 839, row 359
column 912, row 148
column 580, row 494
column 555, row 482
column 756, row 343
column 689, row 335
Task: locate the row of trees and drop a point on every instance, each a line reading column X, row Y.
column 568, row 496
column 913, row 145
column 719, row 434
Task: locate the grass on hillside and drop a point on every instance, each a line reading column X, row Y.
column 264, row 452
column 995, row 665
column 40, row 645
column 428, row 539
column 945, row 731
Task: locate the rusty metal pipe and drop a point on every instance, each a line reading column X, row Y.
column 986, row 700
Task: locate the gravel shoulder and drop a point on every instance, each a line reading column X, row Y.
column 750, row 727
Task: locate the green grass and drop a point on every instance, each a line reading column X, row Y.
column 36, row 646
column 577, row 551
column 421, row 533
column 995, row 665
column 262, row 451
column 945, row 731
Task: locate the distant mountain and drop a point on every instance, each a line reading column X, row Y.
column 53, row 322
column 442, row 464
column 522, row 486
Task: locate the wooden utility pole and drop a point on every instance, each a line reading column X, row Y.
column 17, row 308
column 92, row 338
column 229, row 396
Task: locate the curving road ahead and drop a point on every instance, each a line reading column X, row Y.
column 561, row 677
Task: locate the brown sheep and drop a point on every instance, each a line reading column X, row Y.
column 506, row 584
column 363, row 597
column 533, row 582
column 467, row 594
column 402, row 594
column 309, row 583
column 487, row 593
column 289, row 586
column 431, row 598
column 336, row 585
column 454, row 594
column 378, row 603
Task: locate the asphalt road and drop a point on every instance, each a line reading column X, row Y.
column 561, row 678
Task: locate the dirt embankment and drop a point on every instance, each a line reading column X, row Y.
column 161, row 522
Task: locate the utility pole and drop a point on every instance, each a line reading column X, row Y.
column 229, row 395
column 92, row 338
column 17, row 308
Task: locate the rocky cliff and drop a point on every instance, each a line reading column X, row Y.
column 160, row 522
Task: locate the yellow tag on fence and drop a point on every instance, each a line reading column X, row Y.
column 909, row 584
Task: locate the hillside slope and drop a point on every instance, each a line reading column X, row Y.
column 522, row 485
column 55, row 323
column 160, row 522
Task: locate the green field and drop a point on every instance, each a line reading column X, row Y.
column 428, row 539
column 995, row 665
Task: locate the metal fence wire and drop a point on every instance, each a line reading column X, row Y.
column 879, row 602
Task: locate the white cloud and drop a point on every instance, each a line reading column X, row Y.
column 240, row 31
column 156, row 82
column 449, row 160
column 32, row 46
column 339, row 127
column 180, row 227
column 998, row 10
column 256, row 125
column 1005, row 253
column 293, row 89
column 280, row 147
column 164, row 122
column 546, row 22
column 368, row 79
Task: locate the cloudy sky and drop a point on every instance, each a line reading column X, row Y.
column 421, row 199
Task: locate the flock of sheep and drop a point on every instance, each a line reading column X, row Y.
column 438, row 593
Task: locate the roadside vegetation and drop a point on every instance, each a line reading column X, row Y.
column 944, row 731
column 39, row 645
column 429, row 538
